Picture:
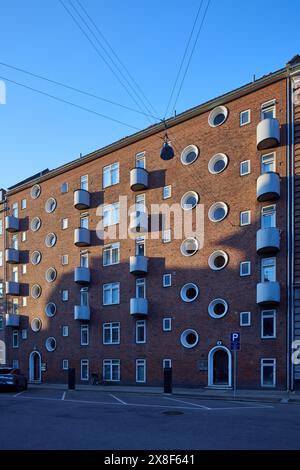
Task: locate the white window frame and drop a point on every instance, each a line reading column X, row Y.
column 64, row 223
column 64, row 188
column 242, row 213
column 15, row 339
column 24, row 237
column 140, row 283
column 249, row 319
column 274, row 371
column 248, row 111
column 268, row 158
column 84, row 259
column 140, row 241
column 84, row 181
column 108, row 170
column 264, row 264
column 141, row 363
column 167, row 191
column 64, row 260
column 65, row 364
column 84, row 221
column 15, row 274
column 24, row 204
column 24, row 269
column 271, row 313
column 165, row 282
column 166, row 236
column 140, row 157
column 248, row 264
column 65, row 331
column 84, row 363
column 111, row 214
column 24, row 301
column 109, row 249
column 267, row 106
column 84, row 329
column 15, row 209
column 167, row 320
column 111, row 363
column 143, row 325
column 109, row 287
column 268, row 211
column 65, row 295
column 167, row 361
column 242, row 173
column 109, row 327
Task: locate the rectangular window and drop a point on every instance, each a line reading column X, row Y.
column 167, row 363
column 15, row 364
column 167, row 324
column 84, row 259
column 244, row 117
column 245, row 218
column 167, row 192
column 24, row 269
column 84, row 221
column 64, row 224
column 65, row 260
column 111, row 214
column 111, row 333
column 140, row 201
column 15, row 274
column 64, row 188
column 65, row 364
column 268, row 324
column 140, row 370
column 268, row 372
column 245, row 268
column 65, row 331
column 111, row 293
column 15, row 339
column 268, row 216
column 167, row 280
column 84, row 182
column 268, row 163
column 23, row 204
column 245, row 318
column 84, row 335
column 111, row 175
column 111, row 370
column 140, row 160
column 245, row 168
column 84, row 297
column 268, row 110
column 268, row 269
column 15, row 209
column 140, row 331
column 111, row 254
column 24, row 301
column 65, row 295
column 24, row 236
column 14, row 242
column 84, row 369
column 24, row 334
column 140, row 288
column 166, row 236
column 15, row 306
column 140, row 246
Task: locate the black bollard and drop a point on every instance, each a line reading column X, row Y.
column 71, row 379
column 168, row 380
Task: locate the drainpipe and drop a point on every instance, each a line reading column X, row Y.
column 289, row 224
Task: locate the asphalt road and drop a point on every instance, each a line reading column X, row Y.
column 40, row 419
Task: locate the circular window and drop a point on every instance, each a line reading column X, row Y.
column 189, row 292
column 36, row 291
column 35, row 191
column 218, row 163
column 189, row 338
column 218, row 211
column 50, row 309
column 189, row 200
column 50, row 240
column 217, row 308
column 218, row 260
column 36, row 257
column 36, row 324
column 51, row 274
column 50, row 344
column 189, row 246
column 35, row 224
column 50, row 205
column 217, row 116
column 189, row 155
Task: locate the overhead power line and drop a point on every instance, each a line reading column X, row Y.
column 78, row 90
column 104, row 116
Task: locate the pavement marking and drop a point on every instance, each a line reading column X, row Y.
column 63, row 396
column 188, row 403
column 242, row 408
column 118, row 399
column 20, row 393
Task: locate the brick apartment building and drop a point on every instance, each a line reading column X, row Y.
column 125, row 308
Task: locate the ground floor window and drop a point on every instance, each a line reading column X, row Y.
column 140, row 370
column 268, row 372
column 84, row 369
column 111, row 370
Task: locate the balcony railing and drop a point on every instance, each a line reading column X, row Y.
column 268, row 187
column 82, row 237
column 12, row 288
column 12, row 256
column 12, row 223
column 139, row 179
column 82, row 313
column 82, row 275
column 82, row 199
column 12, row 320
column 138, row 264
column 267, row 240
column 139, row 307
column 267, row 133
column 268, row 293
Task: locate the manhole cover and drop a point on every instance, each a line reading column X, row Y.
column 172, row 413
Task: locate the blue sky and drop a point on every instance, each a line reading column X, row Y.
column 238, row 39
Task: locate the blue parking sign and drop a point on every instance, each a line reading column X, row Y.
column 235, row 341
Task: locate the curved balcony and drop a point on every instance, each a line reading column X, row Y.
column 267, row 240
column 267, row 133
column 268, row 187
column 139, row 179
column 12, row 320
column 12, row 224
column 82, row 313
column 138, row 307
column 138, row 264
column 82, row 237
column 12, row 288
column 82, row 199
column 268, row 293
column 82, row 275
column 138, row 222
column 12, row 256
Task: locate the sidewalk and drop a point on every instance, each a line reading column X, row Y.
column 273, row 396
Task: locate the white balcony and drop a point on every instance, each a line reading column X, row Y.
column 82, row 199
column 138, row 264
column 82, row 237
column 12, row 320
column 12, row 288
column 139, row 179
column 12, row 224
column 82, row 275
column 12, row 256
column 139, row 307
column 268, row 187
column 267, row 240
column 268, row 293
column 267, row 133
column 138, row 222
column 82, row 313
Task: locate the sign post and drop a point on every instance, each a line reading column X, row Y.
column 235, row 345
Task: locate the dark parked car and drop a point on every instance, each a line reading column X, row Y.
column 13, row 379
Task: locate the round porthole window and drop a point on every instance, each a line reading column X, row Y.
column 50, row 309
column 189, row 155
column 36, row 324
column 189, row 200
column 189, row 338
column 217, row 308
column 36, row 291
column 189, row 246
column 51, row 274
column 36, row 258
column 217, row 116
column 50, row 240
column 35, row 191
column 35, row 224
column 218, row 260
column 50, row 205
column 218, row 211
column 218, row 163
column 189, row 292
column 50, row 344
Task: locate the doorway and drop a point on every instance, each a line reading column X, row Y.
column 35, row 367
column 219, row 363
